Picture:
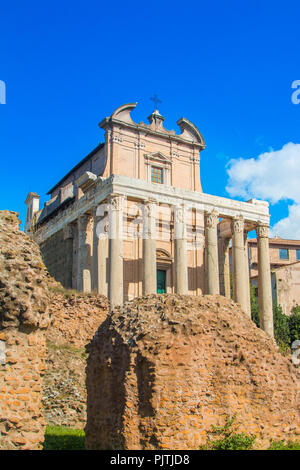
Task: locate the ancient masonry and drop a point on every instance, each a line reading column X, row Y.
column 74, row 319
column 163, row 369
column 23, row 321
column 146, row 179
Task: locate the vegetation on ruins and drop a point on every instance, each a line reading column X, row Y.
column 63, row 438
column 286, row 328
column 227, row 437
column 67, row 438
column 295, row 324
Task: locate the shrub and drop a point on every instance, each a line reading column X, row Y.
column 229, row 439
column 294, row 321
column 282, row 323
column 281, row 329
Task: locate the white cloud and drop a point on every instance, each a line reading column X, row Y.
column 273, row 176
column 289, row 227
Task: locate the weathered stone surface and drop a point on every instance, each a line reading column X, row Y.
column 74, row 320
column 23, row 278
column 75, row 317
column 24, row 317
column 163, row 369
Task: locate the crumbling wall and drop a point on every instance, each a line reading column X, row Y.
column 23, row 319
column 163, row 369
column 75, row 317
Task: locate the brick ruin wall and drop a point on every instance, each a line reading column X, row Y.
column 75, row 317
column 43, row 332
column 24, row 318
column 163, row 369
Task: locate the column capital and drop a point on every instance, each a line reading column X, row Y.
column 68, row 232
column 237, row 224
column 179, row 214
column 84, row 221
column 95, row 213
column 211, row 219
column 150, row 206
column 262, row 231
column 117, row 202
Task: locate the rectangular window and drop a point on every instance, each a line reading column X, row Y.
column 284, row 253
column 298, row 254
column 156, row 174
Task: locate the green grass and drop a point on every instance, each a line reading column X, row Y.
column 282, row 445
column 79, row 352
column 63, row 438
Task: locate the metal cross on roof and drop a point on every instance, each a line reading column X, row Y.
column 156, row 100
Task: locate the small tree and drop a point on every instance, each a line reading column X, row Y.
column 294, row 322
column 281, row 328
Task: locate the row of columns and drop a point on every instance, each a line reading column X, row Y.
column 217, row 268
column 96, row 250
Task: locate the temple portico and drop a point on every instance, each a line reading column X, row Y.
column 136, row 222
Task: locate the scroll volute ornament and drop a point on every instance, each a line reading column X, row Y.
column 85, row 222
column 179, row 214
column 150, row 208
column 237, row 225
column 262, row 231
column 117, row 202
column 211, row 219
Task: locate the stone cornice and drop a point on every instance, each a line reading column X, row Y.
column 254, row 211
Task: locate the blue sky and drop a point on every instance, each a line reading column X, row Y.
column 226, row 66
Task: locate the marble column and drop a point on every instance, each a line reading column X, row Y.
column 115, row 288
column 84, row 253
column 224, row 266
column 238, row 263
column 180, row 249
column 68, row 268
column 99, row 283
column 247, row 275
column 149, row 248
column 264, row 280
column 211, row 248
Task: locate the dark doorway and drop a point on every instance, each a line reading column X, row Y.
column 161, row 281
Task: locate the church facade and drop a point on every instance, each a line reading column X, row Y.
column 131, row 219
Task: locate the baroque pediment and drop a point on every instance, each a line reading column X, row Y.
column 189, row 132
column 157, row 157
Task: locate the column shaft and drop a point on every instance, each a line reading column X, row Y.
column 247, row 275
column 224, row 267
column 149, row 248
column 180, row 249
column 84, row 253
column 99, row 283
column 238, row 263
column 115, row 289
column 68, row 238
column 264, row 280
column 211, row 245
